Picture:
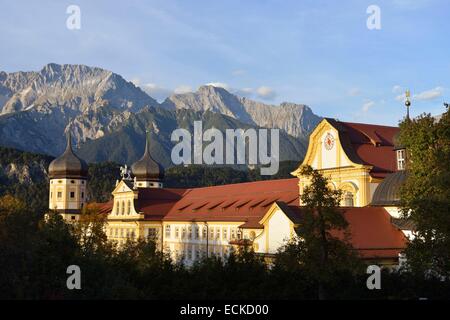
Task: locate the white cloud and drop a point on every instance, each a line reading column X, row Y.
column 266, row 93
column 423, row 96
column 136, row 81
column 156, row 92
column 238, row 72
column 182, row 89
column 397, row 89
column 244, row 92
column 219, row 85
column 367, row 105
column 400, row 97
column 353, row 92
column 429, row 94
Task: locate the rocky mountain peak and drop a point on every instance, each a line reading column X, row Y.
column 76, row 87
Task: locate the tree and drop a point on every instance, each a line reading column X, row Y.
column 322, row 249
column 425, row 196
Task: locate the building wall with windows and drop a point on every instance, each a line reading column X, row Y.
column 355, row 157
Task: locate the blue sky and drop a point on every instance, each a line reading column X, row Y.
column 319, row 53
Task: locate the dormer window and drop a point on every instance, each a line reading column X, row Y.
column 401, row 155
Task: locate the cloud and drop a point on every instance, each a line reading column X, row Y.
column 136, row 81
column 182, row 89
column 265, row 92
column 397, row 89
column 423, row 96
column 219, row 85
column 238, row 72
column 429, row 94
column 367, row 105
column 156, row 92
column 244, row 92
column 400, row 97
column 353, row 92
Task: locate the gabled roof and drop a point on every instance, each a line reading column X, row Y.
column 368, row 144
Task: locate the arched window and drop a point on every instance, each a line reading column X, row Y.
column 129, row 207
column 348, row 199
column 123, row 207
column 117, row 207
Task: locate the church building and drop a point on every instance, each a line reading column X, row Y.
column 363, row 160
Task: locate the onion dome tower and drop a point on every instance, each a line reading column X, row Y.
column 147, row 171
column 68, row 183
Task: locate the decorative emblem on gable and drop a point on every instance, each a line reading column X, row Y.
column 329, row 141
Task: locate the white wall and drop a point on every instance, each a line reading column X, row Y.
column 279, row 231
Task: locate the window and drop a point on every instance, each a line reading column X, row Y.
column 401, row 159
column 123, row 207
column 204, row 232
column 51, row 195
column 117, row 207
column 348, row 199
column 152, row 234
column 72, row 194
column 73, row 217
column 59, row 195
column 189, row 232
column 129, row 207
column 217, row 233
column 168, row 231
column 82, row 195
column 189, row 253
column 183, row 232
column 211, row 233
column 197, row 232
column 177, row 232
column 233, row 233
column 239, row 233
column 225, row 233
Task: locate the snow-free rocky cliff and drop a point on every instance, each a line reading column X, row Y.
column 109, row 114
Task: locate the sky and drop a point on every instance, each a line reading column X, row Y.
column 319, row 53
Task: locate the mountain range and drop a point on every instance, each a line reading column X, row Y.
column 108, row 115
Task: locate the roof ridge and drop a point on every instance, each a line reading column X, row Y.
column 242, row 183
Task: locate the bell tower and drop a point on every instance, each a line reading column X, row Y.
column 147, row 171
column 68, row 183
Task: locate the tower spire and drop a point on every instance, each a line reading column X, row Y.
column 407, row 103
column 69, row 141
column 147, row 142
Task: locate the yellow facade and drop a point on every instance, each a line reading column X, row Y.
column 326, row 154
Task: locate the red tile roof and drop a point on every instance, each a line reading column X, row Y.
column 102, row 207
column 372, row 233
column 368, row 144
column 242, row 202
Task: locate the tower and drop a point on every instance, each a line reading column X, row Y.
column 68, row 183
column 148, row 173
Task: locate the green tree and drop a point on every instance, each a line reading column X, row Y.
column 425, row 196
column 322, row 249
